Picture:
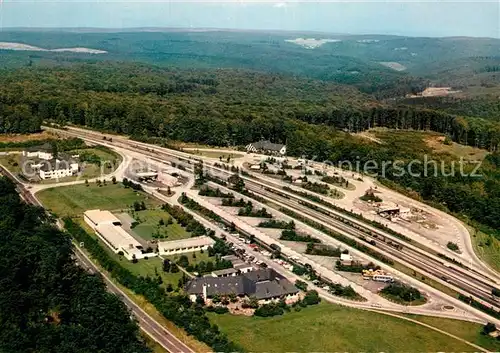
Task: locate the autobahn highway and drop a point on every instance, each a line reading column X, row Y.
column 461, row 280
column 147, row 323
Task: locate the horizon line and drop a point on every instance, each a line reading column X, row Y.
column 94, row 29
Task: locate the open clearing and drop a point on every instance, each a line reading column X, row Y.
column 488, row 253
column 148, row 225
column 393, row 65
column 455, row 149
column 467, row 330
column 26, row 47
column 15, row 138
column 332, row 328
column 75, row 199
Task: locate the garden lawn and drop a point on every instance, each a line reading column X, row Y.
column 12, row 162
column 148, row 225
column 332, row 328
column 488, row 253
column 199, row 257
column 75, row 199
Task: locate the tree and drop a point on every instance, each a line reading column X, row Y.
column 113, row 180
column 301, row 285
column 237, row 183
column 86, row 182
column 199, row 175
column 54, row 149
column 200, row 300
column 174, row 268
column 134, row 259
column 166, row 265
column 183, row 261
column 232, row 297
column 311, row 298
column 488, row 328
column 216, row 298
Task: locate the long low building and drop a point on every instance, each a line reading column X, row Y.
column 109, row 229
column 185, row 245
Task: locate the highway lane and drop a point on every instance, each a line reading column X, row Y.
column 434, row 270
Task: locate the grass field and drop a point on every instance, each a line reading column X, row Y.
column 10, row 138
column 149, row 225
column 109, row 159
column 332, row 328
column 75, row 199
column 12, row 162
column 193, row 260
column 488, row 253
column 456, row 149
column 466, row 330
column 150, row 267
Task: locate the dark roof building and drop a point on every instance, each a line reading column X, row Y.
column 266, row 146
column 263, row 284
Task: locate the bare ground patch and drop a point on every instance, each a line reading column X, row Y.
column 25, row 137
column 455, row 149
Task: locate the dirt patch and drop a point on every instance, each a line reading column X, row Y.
column 29, row 137
column 393, row 65
column 437, row 143
column 370, row 136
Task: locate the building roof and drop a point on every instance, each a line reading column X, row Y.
column 118, row 237
column 125, row 218
column 273, row 289
column 102, row 217
column 226, row 271
column 263, row 284
column 220, row 285
column 230, row 258
column 186, row 243
column 267, row 146
column 345, row 257
column 241, row 265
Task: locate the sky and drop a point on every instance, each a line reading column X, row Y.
column 433, row 18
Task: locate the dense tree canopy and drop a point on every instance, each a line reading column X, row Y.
column 47, row 303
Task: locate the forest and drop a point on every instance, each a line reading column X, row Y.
column 47, row 303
